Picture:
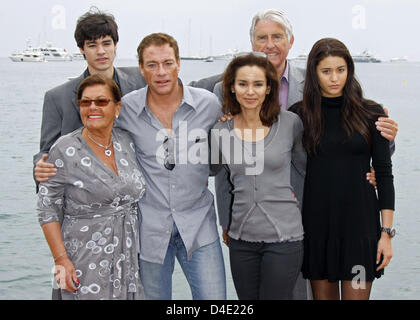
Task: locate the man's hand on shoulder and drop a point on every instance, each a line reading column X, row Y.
column 371, row 177
column 387, row 127
column 44, row 170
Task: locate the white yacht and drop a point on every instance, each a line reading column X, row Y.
column 365, row 56
column 78, row 56
column 28, row 55
column 46, row 53
column 301, row 57
column 399, row 59
column 192, row 58
column 55, row 54
column 227, row 56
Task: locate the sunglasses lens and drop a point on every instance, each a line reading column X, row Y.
column 85, row 103
column 101, row 102
column 98, row 102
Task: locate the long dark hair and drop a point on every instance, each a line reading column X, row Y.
column 270, row 108
column 355, row 111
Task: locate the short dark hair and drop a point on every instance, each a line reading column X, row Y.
column 99, row 80
column 157, row 39
column 271, row 107
column 93, row 25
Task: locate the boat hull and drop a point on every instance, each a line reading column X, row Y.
column 27, row 58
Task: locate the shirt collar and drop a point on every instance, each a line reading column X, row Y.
column 285, row 75
column 187, row 98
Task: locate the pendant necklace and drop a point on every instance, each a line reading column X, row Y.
column 108, row 152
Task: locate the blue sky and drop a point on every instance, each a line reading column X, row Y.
column 388, row 28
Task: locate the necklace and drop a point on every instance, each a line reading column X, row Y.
column 108, row 152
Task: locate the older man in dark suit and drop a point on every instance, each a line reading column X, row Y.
column 96, row 35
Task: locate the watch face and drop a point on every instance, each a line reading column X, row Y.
column 392, row 233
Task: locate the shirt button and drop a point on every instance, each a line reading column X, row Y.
column 173, row 186
column 173, row 210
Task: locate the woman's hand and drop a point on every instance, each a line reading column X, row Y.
column 225, row 237
column 385, row 250
column 66, row 274
column 226, row 117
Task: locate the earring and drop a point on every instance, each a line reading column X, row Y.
column 116, row 116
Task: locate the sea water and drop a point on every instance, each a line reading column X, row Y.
column 25, row 259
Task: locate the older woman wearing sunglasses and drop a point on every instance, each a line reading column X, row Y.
column 88, row 210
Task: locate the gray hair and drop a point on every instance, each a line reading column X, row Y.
column 272, row 15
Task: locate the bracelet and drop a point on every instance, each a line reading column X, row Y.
column 60, row 255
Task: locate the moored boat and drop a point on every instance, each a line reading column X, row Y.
column 78, row 56
column 399, row 59
column 28, row 55
column 301, row 57
column 40, row 54
column 55, row 54
column 192, row 58
column 365, row 56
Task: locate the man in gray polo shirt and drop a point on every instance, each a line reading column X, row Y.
column 167, row 119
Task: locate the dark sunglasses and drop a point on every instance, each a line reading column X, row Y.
column 169, row 162
column 98, row 102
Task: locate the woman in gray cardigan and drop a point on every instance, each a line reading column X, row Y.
column 259, row 145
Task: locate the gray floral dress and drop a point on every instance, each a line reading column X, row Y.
column 97, row 210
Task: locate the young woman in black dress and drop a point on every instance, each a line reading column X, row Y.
column 344, row 239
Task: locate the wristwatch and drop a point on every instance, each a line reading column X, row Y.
column 391, row 232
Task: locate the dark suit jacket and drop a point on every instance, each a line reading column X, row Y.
column 207, row 83
column 60, row 114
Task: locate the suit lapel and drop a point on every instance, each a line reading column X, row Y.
column 126, row 84
column 76, row 83
column 296, row 83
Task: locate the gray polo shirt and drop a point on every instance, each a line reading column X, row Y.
column 179, row 195
column 264, row 208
